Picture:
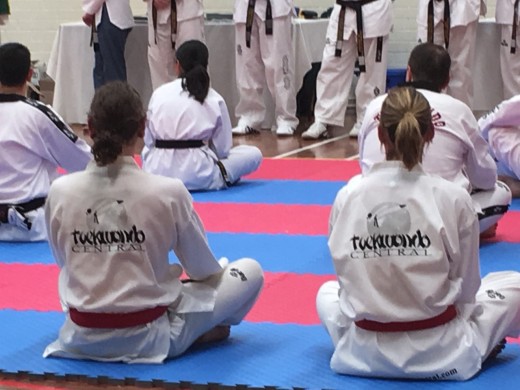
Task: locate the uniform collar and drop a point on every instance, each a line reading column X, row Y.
column 122, row 162
column 394, row 166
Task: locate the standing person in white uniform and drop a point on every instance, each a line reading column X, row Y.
column 263, row 38
column 409, row 301
column 111, row 228
column 453, row 23
column 507, row 16
column 458, row 153
column 111, row 22
column 364, row 37
column 501, row 128
column 170, row 24
column 188, row 133
column 34, row 142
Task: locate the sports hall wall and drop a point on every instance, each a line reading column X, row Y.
column 35, row 22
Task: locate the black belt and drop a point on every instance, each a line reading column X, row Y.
column 22, row 208
column 178, row 144
column 515, row 26
column 357, row 7
column 446, row 21
column 251, row 16
column 492, row 210
column 173, row 20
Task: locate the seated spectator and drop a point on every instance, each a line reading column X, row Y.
column 188, row 133
column 111, row 228
column 409, row 301
column 458, row 153
column 501, row 128
column 34, row 142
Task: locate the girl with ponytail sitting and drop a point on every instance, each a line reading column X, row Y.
column 188, row 133
column 409, row 301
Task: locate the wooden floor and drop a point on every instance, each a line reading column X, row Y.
column 338, row 146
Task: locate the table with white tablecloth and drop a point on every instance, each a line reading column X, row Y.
column 72, row 60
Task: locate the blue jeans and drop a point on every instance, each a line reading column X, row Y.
column 109, row 52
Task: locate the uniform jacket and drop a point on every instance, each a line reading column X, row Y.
column 279, row 8
column 119, row 11
column 457, row 153
column 174, row 115
column 34, row 142
column 504, row 11
column 463, row 12
column 186, row 9
column 112, row 248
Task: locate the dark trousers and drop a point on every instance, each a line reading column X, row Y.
column 109, row 52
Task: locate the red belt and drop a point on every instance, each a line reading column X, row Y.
column 116, row 320
column 449, row 314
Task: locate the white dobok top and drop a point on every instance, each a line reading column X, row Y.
column 462, row 12
column 186, row 9
column 119, row 11
column 278, row 7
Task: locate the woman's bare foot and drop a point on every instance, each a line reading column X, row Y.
column 218, row 333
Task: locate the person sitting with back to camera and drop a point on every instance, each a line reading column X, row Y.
column 409, row 301
column 34, row 142
column 188, row 132
column 111, row 228
column 458, row 153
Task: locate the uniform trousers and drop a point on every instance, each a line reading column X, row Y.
column 269, row 59
column 161, row 54
column 457, row 348
column 38, row 230
column 336, row 74
column 462, row 54
column 509, row 63
column 500, row 195
column 242, row 160
column 237, row 289
column 109, row 52
column 505, row 148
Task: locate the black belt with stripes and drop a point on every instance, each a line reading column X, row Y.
column 515, row 27
column 357, row 6
column 251, row 16
column 173, row 20
column 22, row 208
column 446, row 22
column 178, row 144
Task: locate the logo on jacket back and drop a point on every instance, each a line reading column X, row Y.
column 389, row 227
column 108, row 230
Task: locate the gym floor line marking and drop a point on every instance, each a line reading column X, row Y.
column 312, row 146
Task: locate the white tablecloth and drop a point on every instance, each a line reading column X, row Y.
column 72, row 60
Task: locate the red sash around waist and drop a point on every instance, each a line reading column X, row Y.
column 446, row 316
column 116, row 320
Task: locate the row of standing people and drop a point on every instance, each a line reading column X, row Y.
column 264, row 51
column 113, row 211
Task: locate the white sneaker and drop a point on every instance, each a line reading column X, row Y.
column 315, row 131
column 243, row 129
column 355, row 130
column 284, row 130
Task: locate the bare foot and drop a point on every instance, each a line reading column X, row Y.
column 218, row 333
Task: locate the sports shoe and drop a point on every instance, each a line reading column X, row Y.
column 284, row 130
column 315, row 131
column 243, row 129
column 355, row 130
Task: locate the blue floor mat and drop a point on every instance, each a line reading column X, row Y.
column 285, row 356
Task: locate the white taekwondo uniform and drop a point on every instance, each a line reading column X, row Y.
column 464, row 16
column 174, row 115
column 34, row 142
column 458, row 152
column 501, row 128
column 111, row 229
column 405, row 247
column 161, row 52
column 119, row 12
column 269, row 59
column 336, row 73
column 509, row 62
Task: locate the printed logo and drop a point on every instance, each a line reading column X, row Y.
column 108, row 230
column 235, row 272
column 504, row 43
column 285, row 65
column 377, row 91
column 239, row 49
column 495, row 295
column 389, row 234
